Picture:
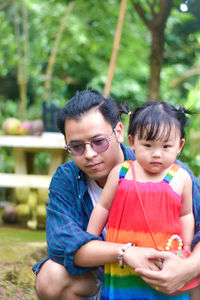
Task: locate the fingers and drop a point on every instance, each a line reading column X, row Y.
column 166, row 281
column 154, row 283
column 152, row 277
column 151, row 274
column 157, row 283
column 158, row 255
column 153, row 266
column 159, row 264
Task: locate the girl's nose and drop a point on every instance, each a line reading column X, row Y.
column 156, row 153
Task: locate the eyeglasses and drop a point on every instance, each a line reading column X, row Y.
column 98, row 144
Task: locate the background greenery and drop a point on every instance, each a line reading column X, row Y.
column 83, row 57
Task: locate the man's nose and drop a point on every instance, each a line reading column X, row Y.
column 89, row 152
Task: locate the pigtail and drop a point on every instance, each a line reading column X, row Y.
column 181, row 115
column 124, row 109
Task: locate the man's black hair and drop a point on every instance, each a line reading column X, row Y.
column 82, row 102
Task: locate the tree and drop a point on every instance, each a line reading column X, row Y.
column 155, row 20
column 22, row 51
column 52, row 58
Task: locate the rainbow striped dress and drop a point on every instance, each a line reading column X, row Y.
column 126, row 224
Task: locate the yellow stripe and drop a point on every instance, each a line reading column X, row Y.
column 172, row 172
column 126, row 164
column 115, row 270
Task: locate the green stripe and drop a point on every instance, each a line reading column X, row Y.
column 123, row 281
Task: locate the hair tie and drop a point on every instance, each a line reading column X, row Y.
column 181, row 110
column 181, row 113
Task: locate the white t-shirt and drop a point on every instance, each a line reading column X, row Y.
column 95, row 192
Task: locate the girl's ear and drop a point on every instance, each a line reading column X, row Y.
column 181, row 145
column 131, row 141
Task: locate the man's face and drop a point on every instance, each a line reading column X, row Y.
column 92, row 125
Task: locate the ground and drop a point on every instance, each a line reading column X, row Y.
column 20, row 249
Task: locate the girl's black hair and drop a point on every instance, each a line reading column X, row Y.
column 154, row 120
column 82, row 102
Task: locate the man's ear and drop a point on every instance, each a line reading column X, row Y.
column 130, row 141
column 65, row 138
column 119, row 132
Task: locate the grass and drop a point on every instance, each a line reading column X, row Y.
column 20, row 249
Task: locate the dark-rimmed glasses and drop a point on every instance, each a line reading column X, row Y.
column 98, row 144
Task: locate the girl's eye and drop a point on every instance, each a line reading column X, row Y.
column 166, row 146
column 147, row 145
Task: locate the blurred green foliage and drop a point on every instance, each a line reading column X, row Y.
column 83, row 57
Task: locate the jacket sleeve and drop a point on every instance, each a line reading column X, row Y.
column 66, row 220
column 196, row 203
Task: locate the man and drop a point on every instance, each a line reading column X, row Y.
column 94, row 137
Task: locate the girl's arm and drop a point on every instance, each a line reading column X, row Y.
column 186, row 217
column 99, row 216
column 98, row 219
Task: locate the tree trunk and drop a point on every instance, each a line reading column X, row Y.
column 22, row 51
column 160, row 11
column 23, row 98
column 52, row 58
column 155, row 64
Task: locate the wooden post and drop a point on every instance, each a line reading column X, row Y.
column 116, row 45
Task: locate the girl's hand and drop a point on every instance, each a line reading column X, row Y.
column 137, row 257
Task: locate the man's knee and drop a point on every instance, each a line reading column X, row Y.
column 53, row 282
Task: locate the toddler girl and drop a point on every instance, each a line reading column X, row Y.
column 147, row 202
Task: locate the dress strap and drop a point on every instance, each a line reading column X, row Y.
column 124, row 168
column 171, row 173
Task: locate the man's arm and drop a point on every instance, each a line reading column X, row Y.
column 67, row 217
column 196, row 202
column 186, row 214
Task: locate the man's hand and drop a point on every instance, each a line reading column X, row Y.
column 174, row 274
column 136, row 257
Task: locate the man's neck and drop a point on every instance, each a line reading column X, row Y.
column 121, row 158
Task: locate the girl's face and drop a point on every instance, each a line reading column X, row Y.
column 154, row 156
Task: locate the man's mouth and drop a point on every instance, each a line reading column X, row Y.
column 93, row 165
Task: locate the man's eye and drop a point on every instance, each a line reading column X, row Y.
column 98, row 142
column 76, row 147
